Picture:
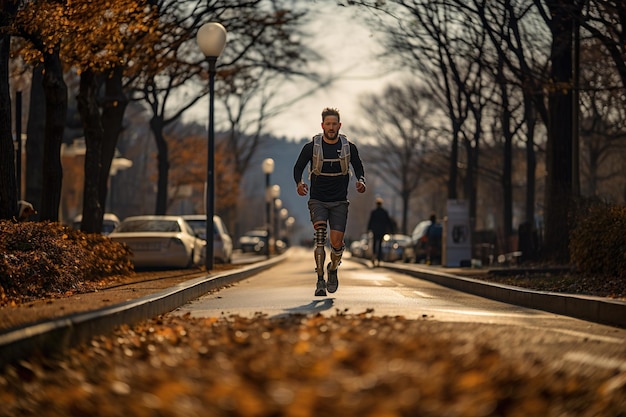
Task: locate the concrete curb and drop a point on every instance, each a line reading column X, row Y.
column 594, row 309
column 57, row 335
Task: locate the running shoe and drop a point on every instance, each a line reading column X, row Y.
column 320, row 291
column 333, row 282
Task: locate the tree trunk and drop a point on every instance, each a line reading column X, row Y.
column 531, row 168
column 406, row 197
column 559, row 192
column 507, row 158
column 114, row 106
column 8, row 184
column 56, row 113
column 454, row 160
column 156, row 124
column 36, row 132
column 90, row 114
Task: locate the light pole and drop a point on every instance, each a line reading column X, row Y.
column 289, row 225
column 278, row 204
column 275, row 193
column 284, row 213
column 268, row 168
column 211, row 39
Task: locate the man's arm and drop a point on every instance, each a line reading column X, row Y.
column 303, row 159
column 356, row 162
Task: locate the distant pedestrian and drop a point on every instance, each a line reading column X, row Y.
column 433, row 241
column 329, row 155
column 379, row 224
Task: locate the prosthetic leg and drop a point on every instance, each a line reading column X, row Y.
column 320, row 258
column 335, row 260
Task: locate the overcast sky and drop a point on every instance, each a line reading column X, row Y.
column 350, row 49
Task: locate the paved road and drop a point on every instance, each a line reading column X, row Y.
column 520, row 332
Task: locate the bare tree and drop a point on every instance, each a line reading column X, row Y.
column 261, row 38
column 520, row 68
column 560, row 16
column 434, row 39
column 603, row 123
column 400, row 124
column 605, row 20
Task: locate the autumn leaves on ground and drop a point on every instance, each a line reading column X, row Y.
column 49, row 260
column 297, row 366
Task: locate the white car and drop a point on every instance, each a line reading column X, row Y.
column 109, row 222
column 222, row 242
column 160, row 241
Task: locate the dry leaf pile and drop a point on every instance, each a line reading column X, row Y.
column 568, row 282
column 298, row 366
column 48, row 260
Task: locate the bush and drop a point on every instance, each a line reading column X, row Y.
column 598, row 239
column 44, row 259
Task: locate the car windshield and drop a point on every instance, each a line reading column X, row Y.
column 199, row 227
column 130, row 226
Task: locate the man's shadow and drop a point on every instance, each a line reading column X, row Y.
column 315, row 306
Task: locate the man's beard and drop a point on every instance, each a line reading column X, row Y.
column 332, row 136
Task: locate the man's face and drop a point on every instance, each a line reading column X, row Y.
column 331, row 126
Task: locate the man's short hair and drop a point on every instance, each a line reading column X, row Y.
column 329, row 111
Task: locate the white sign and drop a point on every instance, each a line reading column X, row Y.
column 457, row 244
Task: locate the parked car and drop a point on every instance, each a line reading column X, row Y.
column 362, row 248
column 222, row 242
column 254, row 241
column 160, row 241
column 393, row 247
column 109, row 222
column 418, row 249
column 356, row 249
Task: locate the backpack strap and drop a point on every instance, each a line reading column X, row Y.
column 317, row 161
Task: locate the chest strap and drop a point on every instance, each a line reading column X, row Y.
column 317, row 162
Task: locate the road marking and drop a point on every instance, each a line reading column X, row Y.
column 423, row 294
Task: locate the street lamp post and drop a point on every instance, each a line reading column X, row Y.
column 268, row 168
column 275, row 201
column 284, row 214
column 211, row 39
column 278, row 204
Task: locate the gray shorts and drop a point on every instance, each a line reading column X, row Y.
column 335, row 213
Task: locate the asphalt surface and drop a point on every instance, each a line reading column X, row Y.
column 59, row 334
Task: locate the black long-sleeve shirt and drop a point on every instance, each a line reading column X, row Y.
column 328, row 188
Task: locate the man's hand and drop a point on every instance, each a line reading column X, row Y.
column 360, row 187
column 302, row 188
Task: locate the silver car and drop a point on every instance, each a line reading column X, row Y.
column 160, row 241
column 393, row 247
column 109, row 222
column 222, row 242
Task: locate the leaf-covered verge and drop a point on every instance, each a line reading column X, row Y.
column 565, row 281
column 47, row 260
